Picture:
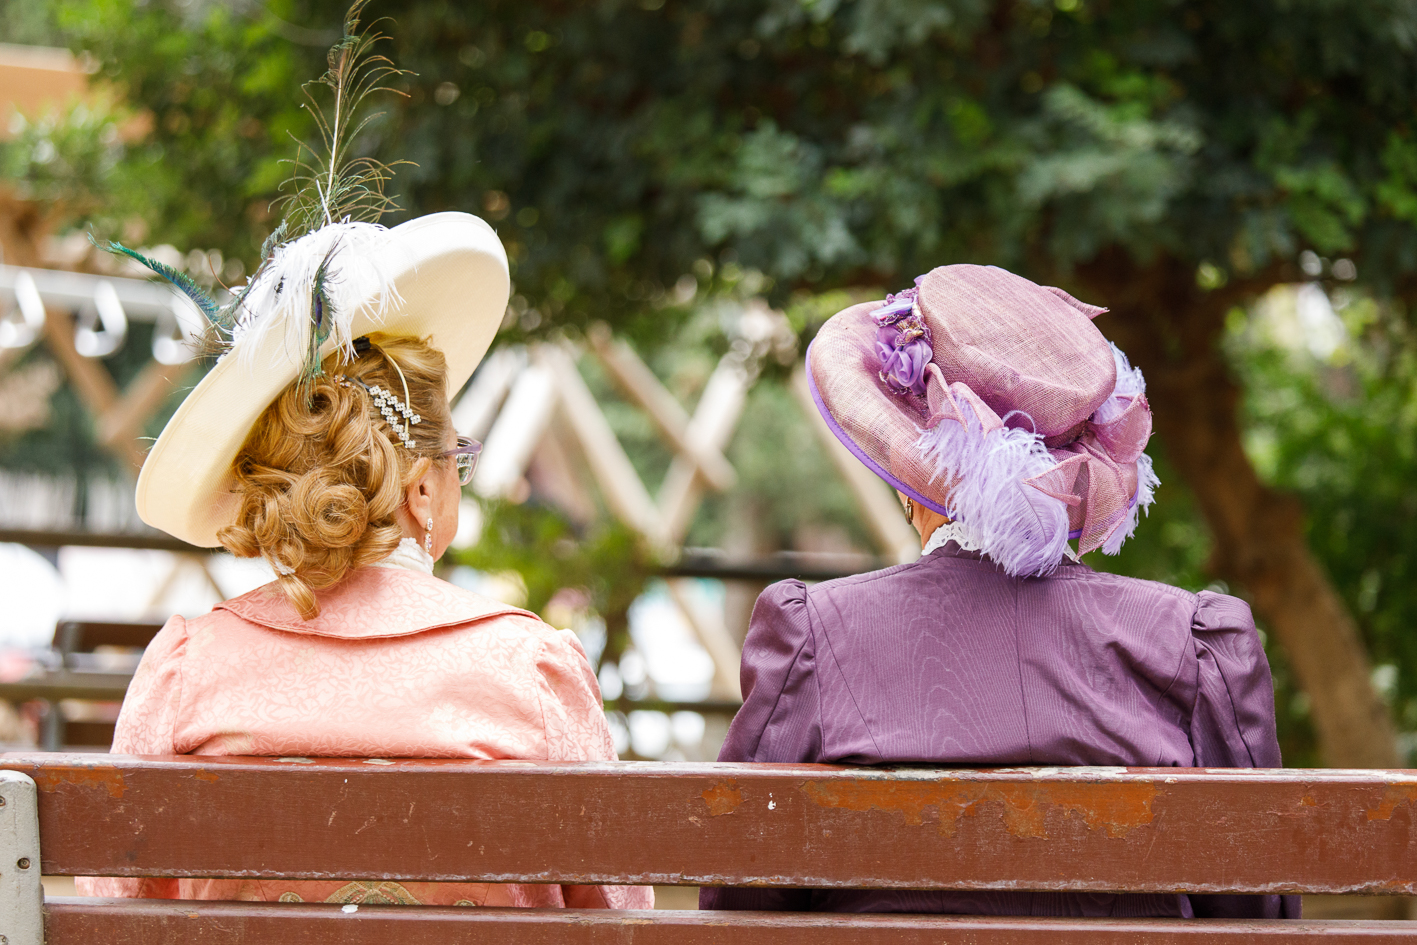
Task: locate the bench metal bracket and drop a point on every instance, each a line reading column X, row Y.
column 21, row 896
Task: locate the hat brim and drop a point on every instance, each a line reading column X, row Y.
column 849, row 337
column 452, row 282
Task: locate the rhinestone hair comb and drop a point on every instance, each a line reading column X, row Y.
column 391, row 407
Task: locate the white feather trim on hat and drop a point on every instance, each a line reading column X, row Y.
column 1017, row 526
column 361, row 263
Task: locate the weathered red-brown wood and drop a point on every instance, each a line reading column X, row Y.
column 1092, row 829
column 154, row 922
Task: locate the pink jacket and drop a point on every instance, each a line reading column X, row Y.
column 398, row 664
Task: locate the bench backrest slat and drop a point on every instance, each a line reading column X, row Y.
column 1084, row 829
column 82, row 636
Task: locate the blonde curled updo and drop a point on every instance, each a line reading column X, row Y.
column 322, row 474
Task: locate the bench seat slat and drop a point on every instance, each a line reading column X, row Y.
column 159, row 922
column 1085, row 829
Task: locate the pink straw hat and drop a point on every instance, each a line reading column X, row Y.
column 997, row 403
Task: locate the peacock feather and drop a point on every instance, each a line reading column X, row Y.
column 331, row 182
column 323, row 316
column 186, row 284
column 329, row 256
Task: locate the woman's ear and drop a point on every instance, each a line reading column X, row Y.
column 418, row 496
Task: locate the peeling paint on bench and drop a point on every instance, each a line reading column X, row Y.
column 49, row 780
column 1025, row 806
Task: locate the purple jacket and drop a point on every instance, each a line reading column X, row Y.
column 947, row 660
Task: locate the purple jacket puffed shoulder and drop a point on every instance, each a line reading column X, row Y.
column 949, row 660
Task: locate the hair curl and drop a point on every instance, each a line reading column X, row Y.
column 322, row 474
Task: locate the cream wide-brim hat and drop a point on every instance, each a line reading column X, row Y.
column 451, row 281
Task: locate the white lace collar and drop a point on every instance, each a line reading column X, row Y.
column 410, row 556
column 956, row 532
column 962, row 535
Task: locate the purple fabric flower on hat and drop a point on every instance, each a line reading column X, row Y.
column 902, row 343
column 903, row 361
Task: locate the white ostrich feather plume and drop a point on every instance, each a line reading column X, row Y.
column 358, row 259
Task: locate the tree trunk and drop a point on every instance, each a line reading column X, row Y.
column 1172, row 329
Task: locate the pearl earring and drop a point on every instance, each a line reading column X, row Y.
column 428, row 536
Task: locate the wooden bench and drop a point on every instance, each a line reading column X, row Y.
column 76, row 639
column 1080, row 829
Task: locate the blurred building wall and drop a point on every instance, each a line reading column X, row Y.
column 33, row 78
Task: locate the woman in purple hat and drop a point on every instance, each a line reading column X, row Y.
column 1009, row 425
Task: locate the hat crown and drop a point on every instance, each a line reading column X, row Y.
column 1024, row 349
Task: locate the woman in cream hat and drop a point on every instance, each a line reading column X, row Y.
column 1009, row 426
column 322, row 442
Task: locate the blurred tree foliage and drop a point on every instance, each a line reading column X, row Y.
column 1335, row 420
column 604, row 561
column 821, row 142
column 220, row 84
column 1169, row 159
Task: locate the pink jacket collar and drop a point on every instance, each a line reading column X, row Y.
column 370, row 604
